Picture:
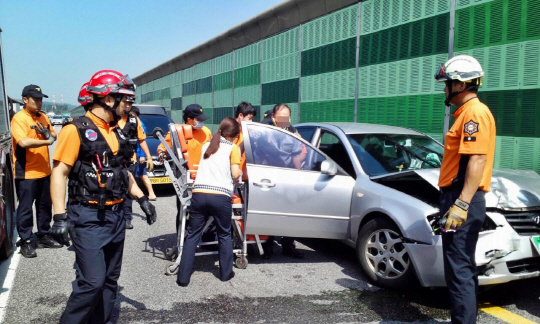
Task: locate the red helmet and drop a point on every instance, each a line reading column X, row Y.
column 107, row 82
column 84, row 97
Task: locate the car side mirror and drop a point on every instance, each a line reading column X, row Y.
column 329, row 167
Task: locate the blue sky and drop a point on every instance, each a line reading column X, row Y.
column 59, row 45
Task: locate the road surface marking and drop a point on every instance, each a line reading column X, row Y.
column 504, row 314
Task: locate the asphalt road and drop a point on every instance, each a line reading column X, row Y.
column 325, row 287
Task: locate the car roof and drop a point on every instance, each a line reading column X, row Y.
column 151, row 109
column 364, row 128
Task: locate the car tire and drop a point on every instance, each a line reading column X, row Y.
column 9, row 209
column 382, row 255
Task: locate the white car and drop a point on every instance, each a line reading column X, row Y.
column 374, row 187
column 57, row 120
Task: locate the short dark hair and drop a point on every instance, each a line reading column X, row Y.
column 245, row 108
column 278, row 107
column 136, row 111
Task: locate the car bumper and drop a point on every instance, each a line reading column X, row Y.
column 502, row 255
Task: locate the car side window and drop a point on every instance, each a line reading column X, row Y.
column 332, row 146
column 277, row 148
column 306, row 132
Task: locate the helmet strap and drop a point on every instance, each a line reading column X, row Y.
column 117, row 101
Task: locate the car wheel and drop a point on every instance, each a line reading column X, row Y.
column 383, row 256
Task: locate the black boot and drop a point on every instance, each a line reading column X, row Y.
column 48, row 242
column 28, row 250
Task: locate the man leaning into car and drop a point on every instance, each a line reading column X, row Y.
column 469, row 149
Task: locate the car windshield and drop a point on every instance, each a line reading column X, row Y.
column 153, row 121
column 381, row 154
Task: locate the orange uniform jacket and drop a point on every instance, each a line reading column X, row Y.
column 473, row 133
column 29, row 163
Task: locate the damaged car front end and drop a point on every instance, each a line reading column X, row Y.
column 507, row 247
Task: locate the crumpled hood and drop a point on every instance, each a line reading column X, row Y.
column 510, row 189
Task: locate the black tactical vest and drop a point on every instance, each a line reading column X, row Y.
column 130, row 130
column 95, row 156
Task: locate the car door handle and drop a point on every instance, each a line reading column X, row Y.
column 264, row 184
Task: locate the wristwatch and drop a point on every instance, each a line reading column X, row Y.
column 461, row 204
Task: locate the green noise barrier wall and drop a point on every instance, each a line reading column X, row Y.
column 374, row 62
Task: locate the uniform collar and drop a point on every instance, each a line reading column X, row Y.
column 97, row 120
column 32, row 115
column 464, row 107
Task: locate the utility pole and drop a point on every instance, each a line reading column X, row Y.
column 53, row 102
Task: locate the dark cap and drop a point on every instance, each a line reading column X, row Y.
column 33, row 91
column 195, row 111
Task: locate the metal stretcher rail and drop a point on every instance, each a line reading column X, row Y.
column 183, row 186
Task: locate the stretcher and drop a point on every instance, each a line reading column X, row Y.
column 182, row 171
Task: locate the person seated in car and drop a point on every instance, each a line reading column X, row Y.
column 286, row 152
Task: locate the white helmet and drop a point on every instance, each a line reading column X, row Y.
column 463, row 68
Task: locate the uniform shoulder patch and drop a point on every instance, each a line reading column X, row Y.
column 121, row 134
column 471, row 127
column 91, row 134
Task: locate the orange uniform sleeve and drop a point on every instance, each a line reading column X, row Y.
column 235, row 154
column 476, row 133
column 19, row 129
column 67, row 146
column 141, row 135
column 161, row 147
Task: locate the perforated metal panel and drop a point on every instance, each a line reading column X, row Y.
column 281, row 68
column 246, row 56
column 379, row 15
column 203, row 70
column 223, row 63
column 334, row 27
column 187, row 100
column 176, row 91
column 205, row 100
column 329, row 86
column 189, row 74
column 247, row 76
column 250, row 94
column 223, row 98
column 282, row 44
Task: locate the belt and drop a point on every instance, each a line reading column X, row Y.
column 457, row 189
column 109, row 205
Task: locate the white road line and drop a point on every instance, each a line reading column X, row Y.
column 8, row 282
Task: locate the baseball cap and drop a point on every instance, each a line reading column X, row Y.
column 195, row 111
column 33, row 91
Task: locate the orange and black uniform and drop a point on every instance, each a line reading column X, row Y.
column 132, row 128
column 200, row 136
column 97, row 154
column 32, row 170
column 473, row 133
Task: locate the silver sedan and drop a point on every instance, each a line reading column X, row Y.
column 374, row 187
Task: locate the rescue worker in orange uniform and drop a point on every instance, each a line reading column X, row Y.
column 131, row 126
column 195, row 117
column 32, row 135
column 91, row 157
column 244, row 112
column 469, row 150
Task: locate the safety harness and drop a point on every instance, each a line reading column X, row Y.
column 99, row 177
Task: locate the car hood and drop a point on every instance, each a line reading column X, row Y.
column 510, row 189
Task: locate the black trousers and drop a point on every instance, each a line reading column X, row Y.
column 459, row 250
column 99, row 247
column 203, row 206
column 30, row 191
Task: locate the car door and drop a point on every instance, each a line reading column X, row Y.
column 289, row 198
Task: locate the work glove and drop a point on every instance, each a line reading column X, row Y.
column 149, row 164
column 148, row 209
column 455, row 217
column 52, row 139
column 60, row 229
column 43, row 130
